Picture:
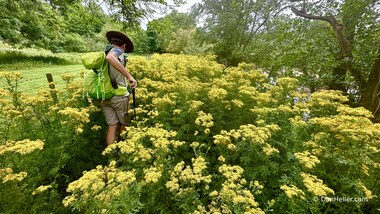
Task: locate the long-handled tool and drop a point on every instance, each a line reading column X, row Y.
column 134, row 104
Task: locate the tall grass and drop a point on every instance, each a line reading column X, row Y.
column 15, row 59
column 34, row 64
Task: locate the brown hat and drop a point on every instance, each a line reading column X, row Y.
column 122, row 36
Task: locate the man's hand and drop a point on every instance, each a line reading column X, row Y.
column 133, row 82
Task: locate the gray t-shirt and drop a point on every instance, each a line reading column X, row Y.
column 121, row 80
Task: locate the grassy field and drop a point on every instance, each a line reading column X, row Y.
column 34, row 64
column 35, row 78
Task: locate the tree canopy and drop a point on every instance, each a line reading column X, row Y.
column 325, row 44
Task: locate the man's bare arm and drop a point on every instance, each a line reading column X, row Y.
column 114, row 61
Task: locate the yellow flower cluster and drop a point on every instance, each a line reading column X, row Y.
column 327, row 98
column 367, row 192
column 42, row 98
column 158, row 101
column 348, row 128
column 238, row 103
column 76, row 116
column 23, row 147
column 257, row 134
column 216, row 94
column 221, row 158
column 68, row 77
column 233, row 192
column 204, row 120
column 10, row 77
column 182, row 178
column 224, row 138
column 194, row 105
column 41, row 188
column 244, row 74
column 315, row 185
column 357, row 112
column 153, row 174
column 102, row 184
column 161, row 141
column 307, row 159
column 249, row 133
column 6, row 174
column 292, row 190
column 269, row 150
column 287, row 82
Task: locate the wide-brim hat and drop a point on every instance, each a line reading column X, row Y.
column 122, row 36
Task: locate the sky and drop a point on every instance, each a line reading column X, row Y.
column 185, row 8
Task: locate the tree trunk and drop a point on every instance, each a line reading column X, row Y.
column 339, row 75
column 371, row 91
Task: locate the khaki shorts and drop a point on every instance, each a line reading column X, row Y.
column 116, row 109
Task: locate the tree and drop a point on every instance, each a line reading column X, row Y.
column 68, row 25
column 161, row 31
column 295, row 47
column 231, row 25
column 140, row 40
column 131, row 12
column 357, row 35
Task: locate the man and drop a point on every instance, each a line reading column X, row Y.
column 116, row 108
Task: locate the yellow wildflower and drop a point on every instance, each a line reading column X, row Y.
column 269, row 150
column 15, row 177
column 68, row 200
column 237, row 103
column 292, row 190
column 23, row 147
column 96, row 127
column 307, row 159
column 152, row 174
column 315, row 185
column 194, row 105
column 216, row 94
column 367, row 192
column 41, row 188
column 204, row 120
column 231, row 147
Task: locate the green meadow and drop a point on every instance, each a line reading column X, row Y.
column 35, row 64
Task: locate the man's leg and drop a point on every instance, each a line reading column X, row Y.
column 111, row 132
column 121, row 129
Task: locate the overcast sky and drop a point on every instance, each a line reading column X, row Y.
column 185, row 8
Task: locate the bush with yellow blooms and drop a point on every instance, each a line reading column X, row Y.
column 210, row 139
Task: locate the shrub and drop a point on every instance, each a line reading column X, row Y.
column 210, row 139
column 37, row 181
column 206, row 139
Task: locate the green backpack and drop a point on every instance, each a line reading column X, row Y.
column 97, row 82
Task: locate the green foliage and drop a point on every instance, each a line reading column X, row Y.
column 140, row 40
column 132, row 12
column 232, row 30
column 39, row 24
column 210, row 139
column 161, row 32
column 17, row 57
column 70, row 146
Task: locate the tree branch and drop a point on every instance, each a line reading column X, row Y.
column 344, row 44
column 301, row 13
